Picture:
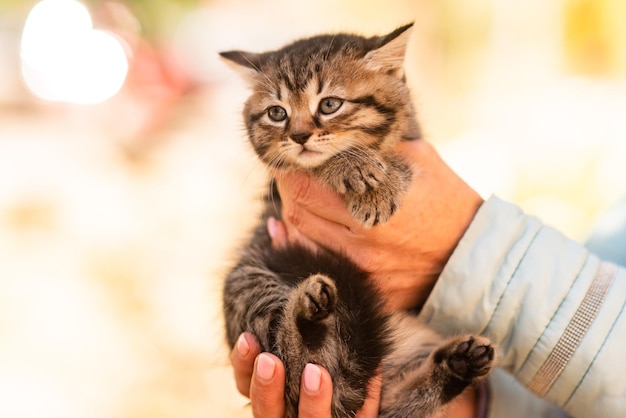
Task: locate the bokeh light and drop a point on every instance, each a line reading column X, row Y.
column 65, row 59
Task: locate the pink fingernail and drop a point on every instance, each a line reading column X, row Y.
column 265, row 367
column 272, row 228
column 312, row 377
column 243, row 348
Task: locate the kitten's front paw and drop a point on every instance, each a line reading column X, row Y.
column 358, row 177
column 318, row 296
column 374, row 207
column 366, row 177
column 470, row 358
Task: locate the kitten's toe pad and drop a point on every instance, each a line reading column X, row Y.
column 318, row 297
column 471, row 358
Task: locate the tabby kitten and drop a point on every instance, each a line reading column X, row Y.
column 335, row 106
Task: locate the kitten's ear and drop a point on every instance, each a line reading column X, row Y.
column 389, row 56
column 246, row 64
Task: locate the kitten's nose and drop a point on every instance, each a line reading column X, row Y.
column 300, row 137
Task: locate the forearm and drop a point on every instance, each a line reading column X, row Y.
column 554, row 310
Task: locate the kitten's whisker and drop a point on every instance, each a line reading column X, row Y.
column 277, row 170
column 330, row 46
column 358, row 149
column 259, row 70
column 344, row 154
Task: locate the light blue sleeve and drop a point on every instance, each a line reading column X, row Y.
column 554, row 311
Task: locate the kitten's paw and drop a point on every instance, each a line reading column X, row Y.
column 366, row 177
column 469, row 358
column 373, row 207
column 317, row 297
column 359, row 178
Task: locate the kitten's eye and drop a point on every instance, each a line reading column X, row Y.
column 277, row 113
column 330, row 105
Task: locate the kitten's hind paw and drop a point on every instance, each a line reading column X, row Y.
column 469, row 358
column 318, row 296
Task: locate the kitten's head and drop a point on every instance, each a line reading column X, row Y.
column 325, row 95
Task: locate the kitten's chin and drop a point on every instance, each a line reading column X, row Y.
column 309, row 159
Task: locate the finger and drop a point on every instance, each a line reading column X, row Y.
column 277, row 231
column 242, row 358
column 372, row 402
column 410, row 149
column 312, row 231
column 316, row 393
column 282, row 234
column 267, row 389
column 300, row 191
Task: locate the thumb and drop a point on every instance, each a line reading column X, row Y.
column 372, row 402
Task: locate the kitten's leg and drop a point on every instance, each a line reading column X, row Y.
column 307, row 323
column 354, row 172
column 307, row 333
column 423, row 391
column 310, row 334
column 253, row 300
column 377, row 205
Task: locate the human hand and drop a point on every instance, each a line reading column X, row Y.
column 261, row 376
column 405, row 255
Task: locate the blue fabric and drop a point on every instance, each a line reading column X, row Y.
column 608, row 238
column 523, row 282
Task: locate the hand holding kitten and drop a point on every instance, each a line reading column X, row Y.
column 267, row 392
column 421, row 236
column 267, row 395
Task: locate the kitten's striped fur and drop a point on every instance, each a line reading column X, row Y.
column 335, row 106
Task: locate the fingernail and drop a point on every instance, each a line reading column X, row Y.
column 271, row 226
column 243, row 348
column 312, row 377
column 265, row 367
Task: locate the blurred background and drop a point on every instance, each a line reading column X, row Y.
column 126, row 180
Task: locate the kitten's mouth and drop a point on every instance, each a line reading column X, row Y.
column 308, row 152
column 309, row 158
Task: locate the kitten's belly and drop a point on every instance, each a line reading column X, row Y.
column 411, row 335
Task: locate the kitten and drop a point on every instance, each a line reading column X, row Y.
column 335, row 106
